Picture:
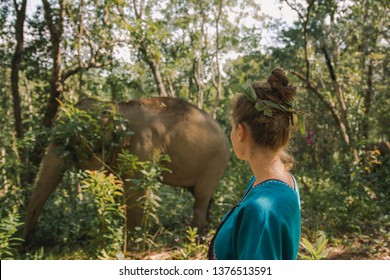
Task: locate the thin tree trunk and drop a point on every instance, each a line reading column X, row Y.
column 16, row 59
column 80, row 35
column 342, row 110
column 172, row 92
column 197, row 70
column 368, row 99
column 56, row 83
column 218, row 81
column 3, row 161
column 157, row 76
column 28, row 102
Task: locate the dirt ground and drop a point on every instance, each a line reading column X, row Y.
column 334, row 253
column 360, row 247
column 343, row 253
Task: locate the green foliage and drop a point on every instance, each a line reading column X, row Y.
column 77, row 126
column 146, row 179
column 9, row 242
column 316, row 250
column 87, row 222
column 98, row 130
column 349, row 197
column 193, row 247
column 104, row 194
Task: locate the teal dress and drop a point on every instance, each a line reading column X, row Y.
column 264, row 225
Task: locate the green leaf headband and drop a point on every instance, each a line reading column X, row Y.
column 265, row 106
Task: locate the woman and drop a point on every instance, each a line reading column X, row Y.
column 265, row 224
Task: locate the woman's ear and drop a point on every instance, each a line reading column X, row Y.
column 242, row 132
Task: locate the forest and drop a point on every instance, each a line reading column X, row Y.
column 336, row 52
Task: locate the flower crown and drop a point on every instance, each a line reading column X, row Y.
column 265, row 106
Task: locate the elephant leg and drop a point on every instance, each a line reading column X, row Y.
column 199, row 219
column 203, row 191
column 49, row 176
column 134, row 209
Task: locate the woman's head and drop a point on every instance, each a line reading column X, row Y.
column 268, row 131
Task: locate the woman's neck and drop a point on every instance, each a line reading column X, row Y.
column 267, row 164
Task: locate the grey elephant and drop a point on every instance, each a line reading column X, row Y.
column 196, row 144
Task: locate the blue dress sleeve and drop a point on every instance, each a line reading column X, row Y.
column 254, row 236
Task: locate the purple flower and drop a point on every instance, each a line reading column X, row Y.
column 309, row 139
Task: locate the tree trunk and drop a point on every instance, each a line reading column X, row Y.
column 15, row 67
column 197, row 71
column 56, row 84
column 217, row 77
column 368, row 100
column 342, row 107
column 172, row 92
column 157, row 75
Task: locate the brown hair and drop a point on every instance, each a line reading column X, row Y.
column 269, row 131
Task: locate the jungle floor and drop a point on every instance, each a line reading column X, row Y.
column 335, row 253
column 360, row 249
column 357, row 251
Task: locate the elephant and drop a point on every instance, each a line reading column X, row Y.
column 196, row 144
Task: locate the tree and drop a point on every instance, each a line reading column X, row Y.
column 93, row 44
column 144, row 35
column 54, row 20
column 20, row 10
column 325, row 28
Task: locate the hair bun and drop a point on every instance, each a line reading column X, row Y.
column 278, row 78
column 278, row 83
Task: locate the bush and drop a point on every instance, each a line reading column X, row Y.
column 147, row 177
column 316, row 250
column 104, row 194
column 192, row 247
column 348, row 197
column 9, row 243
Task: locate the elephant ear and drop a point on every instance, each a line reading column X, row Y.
column 90, row 128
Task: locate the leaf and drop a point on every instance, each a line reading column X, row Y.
column 301, row 124
column 237, row 88
column 322, row 255
column 321, row 244
column 249, row 91
column 272, row 104
column 307, row 245
column 259, row 107
column 252, row 93
column 247, row 84
column 268, row 112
